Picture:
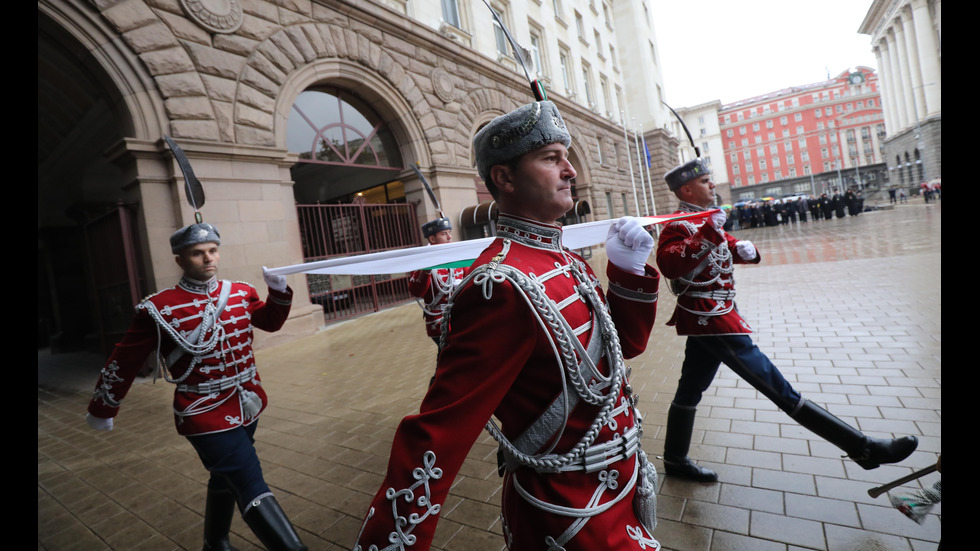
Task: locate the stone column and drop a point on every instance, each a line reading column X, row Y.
column 928, row 54
column 908, row 104
column 915, row 75
column 895, row 84
column 884, row 87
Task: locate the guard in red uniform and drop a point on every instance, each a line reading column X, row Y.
column 698, row 256
column 537, row 344
column 201, row 331
column 433, row 287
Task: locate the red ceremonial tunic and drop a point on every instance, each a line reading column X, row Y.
column 501, row 359
column 212, row 385
column 699, row 262
column 433, row 287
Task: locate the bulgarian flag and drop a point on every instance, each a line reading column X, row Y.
column 457, row 254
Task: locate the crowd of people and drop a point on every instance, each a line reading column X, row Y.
column 763, row 213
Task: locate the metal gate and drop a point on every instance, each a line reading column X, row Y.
column 330, row 231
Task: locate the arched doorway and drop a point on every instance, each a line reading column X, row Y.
column 90, row 268
column 349, row 197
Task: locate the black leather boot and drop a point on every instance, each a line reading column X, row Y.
column 677, row 442
column 270, row 524
column 867, row 452
column 218, row 512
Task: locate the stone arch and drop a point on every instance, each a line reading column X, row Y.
column 299, row 56
column 141, row 106
column 378, row 92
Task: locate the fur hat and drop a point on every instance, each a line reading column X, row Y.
column 202, row 232
column 680, row 175
column 522, row 130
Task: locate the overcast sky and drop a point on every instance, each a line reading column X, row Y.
column 736, row 49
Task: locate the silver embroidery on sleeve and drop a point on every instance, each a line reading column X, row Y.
column 401, row 537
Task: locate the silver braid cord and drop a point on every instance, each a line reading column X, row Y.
column 551, row 320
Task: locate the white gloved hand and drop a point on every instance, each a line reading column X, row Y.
column 718, row 220
column 98, row 423
column 746, row 250
column 628, row 245
column 275, row 282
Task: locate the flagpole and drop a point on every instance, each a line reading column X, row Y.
column 629, row 161
column 636, row 143
column 646, row 151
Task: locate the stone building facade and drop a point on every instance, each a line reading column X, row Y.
column 222, row 78
column 906, row 37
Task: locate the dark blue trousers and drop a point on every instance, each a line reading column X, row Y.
column 705, row 354
column 231, row 459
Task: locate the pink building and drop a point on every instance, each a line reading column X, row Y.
column 803, row 130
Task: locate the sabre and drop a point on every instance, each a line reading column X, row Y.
column 193, row 187
column 536, row 87
column 428, row 188
column 697, row 151
column 878, row 490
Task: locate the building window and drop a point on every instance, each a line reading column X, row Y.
column 745, row 142
column 589, row 91
column 742, row 130
column 598, row 43
column 799, row 130
column 556, row 5
column 792, row 172
column 755, row 127
column 564, row 60
column 604, row 85
column 612, row 57
column 580, row 27
column 499, row 37
column 729, row 133
column 537, row 57
column 747, row 155
column 758, row 139
column 450, row 12
column 784, row 120
column 769, row 123
column 798, row 117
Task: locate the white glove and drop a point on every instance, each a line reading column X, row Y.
column 98, row 423
column 745, row 249
column 718, row 220
column 275, row 282
column 628, row 245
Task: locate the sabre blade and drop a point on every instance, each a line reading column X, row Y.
column 520, row 54
column 428, row 188
column 193, row 187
